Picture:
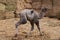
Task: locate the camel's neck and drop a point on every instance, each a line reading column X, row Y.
column 41, row 15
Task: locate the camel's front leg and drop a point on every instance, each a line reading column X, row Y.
column 32, row 27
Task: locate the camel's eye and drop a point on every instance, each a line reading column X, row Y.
column 45, row 9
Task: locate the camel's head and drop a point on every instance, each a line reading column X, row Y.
column 44, row 9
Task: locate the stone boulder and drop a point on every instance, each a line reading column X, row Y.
column 36, row 5
column 28, row 5
column 2, row 15
column 2, row 6
column 9, row 14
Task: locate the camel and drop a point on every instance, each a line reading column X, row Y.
column 31, row 16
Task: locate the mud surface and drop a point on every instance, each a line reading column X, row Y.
column 50, row 29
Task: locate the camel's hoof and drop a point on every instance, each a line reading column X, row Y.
column 26, row 36
column 41, row 34
column 15, row 35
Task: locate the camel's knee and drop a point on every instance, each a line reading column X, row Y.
column 20, row 22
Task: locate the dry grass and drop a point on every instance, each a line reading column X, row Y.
column 49, row 27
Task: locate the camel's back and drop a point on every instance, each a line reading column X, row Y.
column 28, row 15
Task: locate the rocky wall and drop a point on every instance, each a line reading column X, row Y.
column 11, row 5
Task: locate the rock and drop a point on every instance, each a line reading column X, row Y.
column 2, row 15
column 9, row 15
column 29, row 1
column 28, row 5
column 20, row 5
column 36, row 5
column 2, row 7
column 36, row 0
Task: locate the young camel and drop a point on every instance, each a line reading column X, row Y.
column 32, row 17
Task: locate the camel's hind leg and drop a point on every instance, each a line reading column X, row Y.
column 21, row 21
column 17, row 24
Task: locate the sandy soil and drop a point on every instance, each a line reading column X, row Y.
column 49, row 27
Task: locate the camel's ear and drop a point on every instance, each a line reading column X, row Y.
column 32, row 11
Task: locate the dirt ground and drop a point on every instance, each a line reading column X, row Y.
column 50, row 29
